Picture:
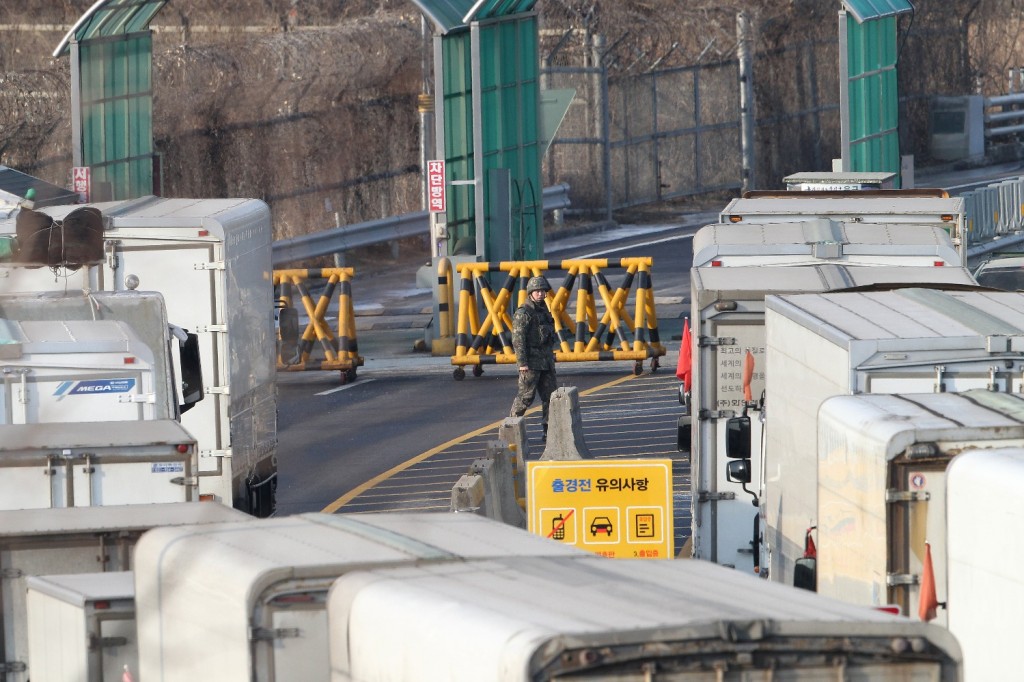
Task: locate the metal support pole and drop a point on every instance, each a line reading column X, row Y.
column 76, row 105
column 743, row 35
column 844, row 93
column 602, row 118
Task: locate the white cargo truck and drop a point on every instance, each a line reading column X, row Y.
column 591, row 618
column 882, row 463
column 728, row 312
column 894, row 207
column 90, row 399
column 247, row 601
column 35, row 542
column 81, row 627
column 983, row 583
column 818, row 240
column 210, row 258
column 822, row 345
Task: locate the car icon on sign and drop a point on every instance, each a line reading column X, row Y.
column 601, row 524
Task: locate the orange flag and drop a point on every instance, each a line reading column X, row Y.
column 748, row 374
column 684, row 369
column 929, row 602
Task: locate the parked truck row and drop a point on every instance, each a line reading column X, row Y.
column 448, row 597
column 830, row 429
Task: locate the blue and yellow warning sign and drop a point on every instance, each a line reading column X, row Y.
column 615, row 508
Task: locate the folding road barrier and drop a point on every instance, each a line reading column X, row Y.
column 583, row 337
column 340, row 349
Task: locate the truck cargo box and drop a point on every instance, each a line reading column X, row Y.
column 210, row 258
column 948, row 213
column 903, row 341
column 75, row 540
column 246, row 601
column 584, row 617
column 819, row 240
column 881, row 471
column 984, row 555
column 81, row 628
column 81, row 464
column 728, row 308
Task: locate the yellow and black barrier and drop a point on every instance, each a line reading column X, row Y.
column 617, row 335
column 340, row 348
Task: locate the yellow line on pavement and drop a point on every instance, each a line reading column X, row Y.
column 362, row 488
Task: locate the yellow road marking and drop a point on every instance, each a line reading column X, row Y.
column 398, row 468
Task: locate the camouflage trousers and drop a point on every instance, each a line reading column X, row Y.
column 531, row 383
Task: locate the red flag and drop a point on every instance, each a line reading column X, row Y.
column 929, row 602
column 810, row 549
column 748, row 375
column 684, row 370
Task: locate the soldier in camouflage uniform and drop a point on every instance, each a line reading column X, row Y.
column 533, row 340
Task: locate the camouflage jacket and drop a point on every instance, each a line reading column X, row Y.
column 533, row 336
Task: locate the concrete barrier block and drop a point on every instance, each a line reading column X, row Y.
column 468, row 494
column 565, row 427
column 513, row 432
column 501, row 496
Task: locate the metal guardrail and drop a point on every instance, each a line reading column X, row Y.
column 995, row 216
column 1011, row 111
column 340, row 239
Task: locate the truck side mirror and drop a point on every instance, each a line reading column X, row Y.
column 191, row 372
column 738, row 471
column 684, row 432
column 737, row 438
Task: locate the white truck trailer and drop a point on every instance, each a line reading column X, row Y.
column 893, row 207
column 818, row 240
column 247, row 601
column 581, row 617
column 839, row 343
column 983, row 586
column 90, row 398
column 882, row 462
column 81, row 627
column 728, row 310
column 65, row 541
column 210, row 258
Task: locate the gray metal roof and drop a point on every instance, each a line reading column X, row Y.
column 754, row 282
column 448, row 15
column 14, row 185
column 878, row 241
column 863, row 10
column 910, row 313
column 109, row 18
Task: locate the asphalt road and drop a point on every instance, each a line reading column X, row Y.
column 341, row 442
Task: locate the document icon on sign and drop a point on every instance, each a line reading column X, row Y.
column 645, row 525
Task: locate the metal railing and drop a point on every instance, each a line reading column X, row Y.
column 341, row 239
column 995, row 216
column 1012, row 110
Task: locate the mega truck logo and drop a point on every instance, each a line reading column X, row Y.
column 93, row 387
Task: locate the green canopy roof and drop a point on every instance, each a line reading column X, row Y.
column 111, row 18
column 448, row 15
column 862, row 10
